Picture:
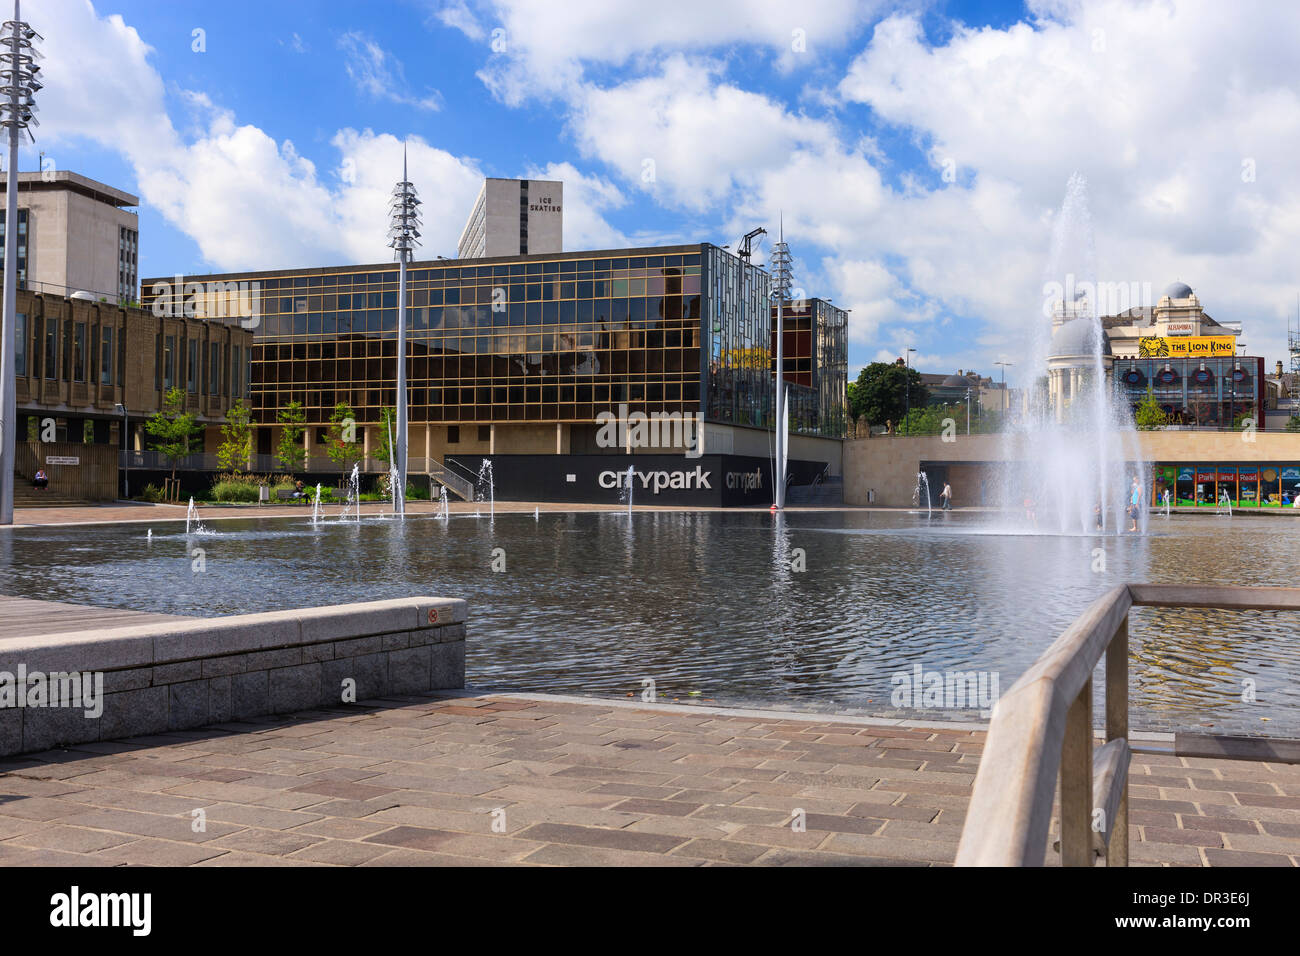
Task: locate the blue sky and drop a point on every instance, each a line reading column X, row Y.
column 919, row 151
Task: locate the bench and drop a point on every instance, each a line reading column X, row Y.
column 285, row 494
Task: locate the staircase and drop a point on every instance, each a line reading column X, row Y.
column 25, row 496
column 826, row 493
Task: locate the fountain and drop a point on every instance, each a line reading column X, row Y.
column 1075, row 451
column 1165, row 498
column 352, row 501
column 485, row 474
column 315, row 506
column 444, row 510
column 537, row 514
column 631, row 475
column 1225, row 503
column 394, row 480
column 923, row 481
column 193, row 524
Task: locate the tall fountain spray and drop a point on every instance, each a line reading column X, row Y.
column 631, row 474
column 485, row 475
column 193, row 524
column 444, row 510
column 315, row 506
column 1075, row 448
column 352, row 503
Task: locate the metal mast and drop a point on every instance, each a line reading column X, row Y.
column 18, row 87
column 403, row 237
column 781, row 284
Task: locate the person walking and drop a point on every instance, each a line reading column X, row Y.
column 1134, row 503
column 946, row 495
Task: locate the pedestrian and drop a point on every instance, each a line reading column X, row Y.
column 946, row 496
column 1134, row 503
column 41, row 481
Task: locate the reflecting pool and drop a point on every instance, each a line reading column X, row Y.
column 823, row 610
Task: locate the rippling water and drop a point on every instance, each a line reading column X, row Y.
column 707, row 604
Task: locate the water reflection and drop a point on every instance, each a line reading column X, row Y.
column 711, row 604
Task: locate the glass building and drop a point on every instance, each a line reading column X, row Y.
column 1206, row 392
column 555, row 339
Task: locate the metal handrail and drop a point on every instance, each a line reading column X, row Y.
column 463, row 487
column 1042, row 729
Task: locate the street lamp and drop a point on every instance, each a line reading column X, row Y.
column 1006, row 404
column 126, row 468
column 907, row 383
column 18, row 86
column 403, row 237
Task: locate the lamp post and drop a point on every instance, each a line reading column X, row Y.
column 18, row 87
column 126, row 468
column 1006, row 404
column 907, row 384
column 403, row 237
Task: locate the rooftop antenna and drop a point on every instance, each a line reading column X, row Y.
column 403, row 237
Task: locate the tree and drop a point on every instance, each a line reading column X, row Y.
column 881, row 393
column 342, row 446
column 173, row 431
column 289, row 450
column 1293, row 423
column 236, row 438
column 1150, row 415
column 387, row 423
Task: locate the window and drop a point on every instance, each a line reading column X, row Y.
column 192, row 367
column 169, row 362
column 79, row 352
column 51, row 348
column 214, row 368
column 453, row 434
column 485, row 433
column 106, row 356
column 20, row 344
column 234, row 372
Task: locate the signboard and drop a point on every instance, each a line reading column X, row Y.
column 1186, row 474
column 1249, row 474
column 1180, row 328
column 1191, row 346
column 62, row 460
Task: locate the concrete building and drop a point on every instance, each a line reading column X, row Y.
column 75, row 235
column 79, row 362
column 514, row 217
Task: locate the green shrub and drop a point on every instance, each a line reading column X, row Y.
column 152, row 493
column 416, row 492
column 236, row 491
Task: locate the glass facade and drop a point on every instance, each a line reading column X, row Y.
column 1210, row 392
column 543, row 338
column 815, row 358
column 1216, row 486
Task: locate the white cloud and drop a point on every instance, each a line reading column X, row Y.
column 246, row 199
column 686, row 137
column 546, row 44
column 586, row 200
column 379, row 74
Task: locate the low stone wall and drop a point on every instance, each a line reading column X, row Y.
column 191, row 672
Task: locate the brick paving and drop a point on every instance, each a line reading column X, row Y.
column 523, row 779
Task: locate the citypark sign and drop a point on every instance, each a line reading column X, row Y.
column 1192, row 346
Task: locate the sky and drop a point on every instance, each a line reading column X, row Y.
column 916, row 152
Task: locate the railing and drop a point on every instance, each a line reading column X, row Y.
column 1042, row 729
column 454, row 480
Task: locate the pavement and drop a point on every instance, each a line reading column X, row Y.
column 511, row 779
